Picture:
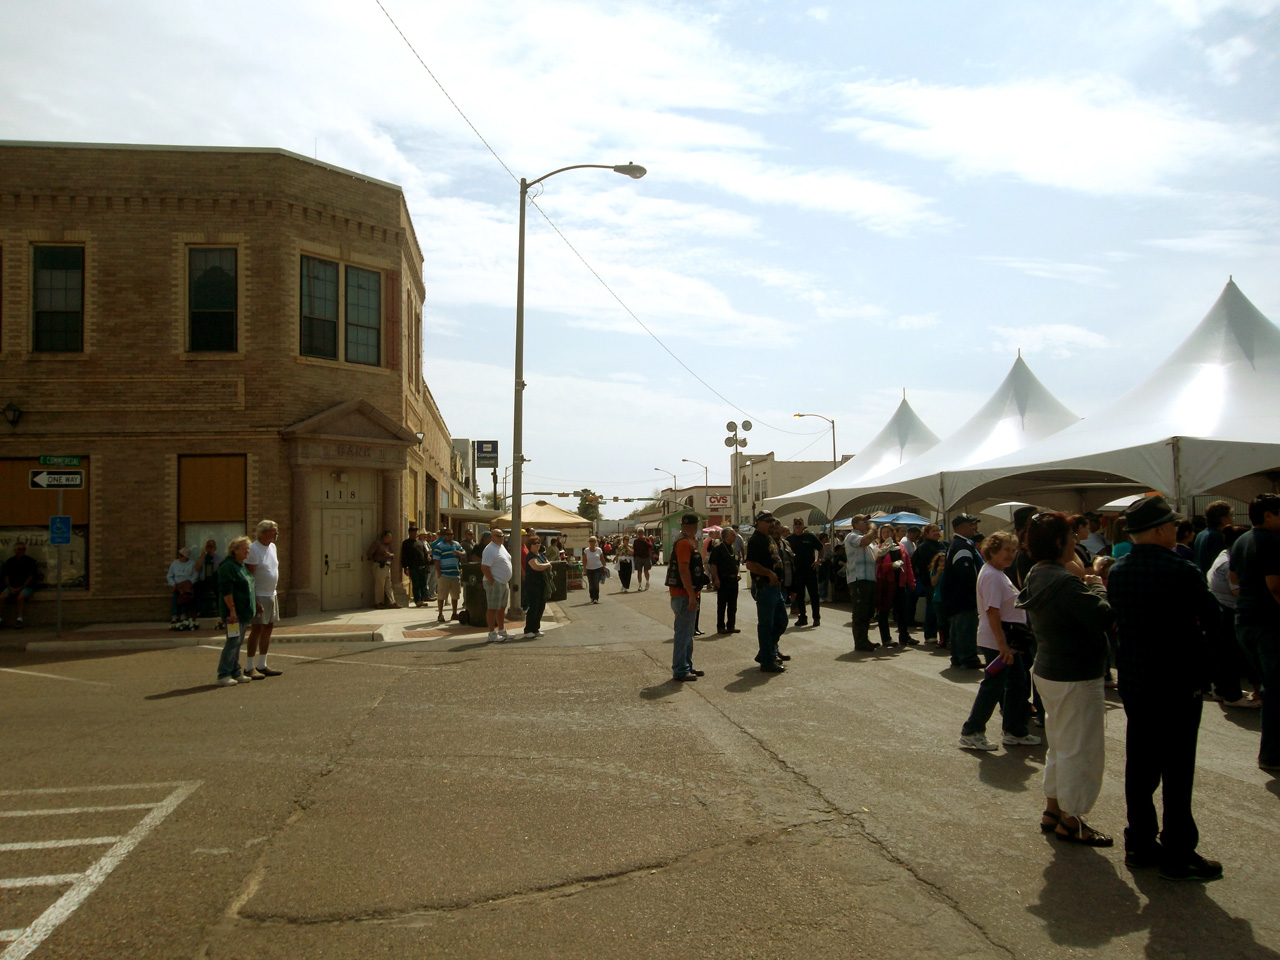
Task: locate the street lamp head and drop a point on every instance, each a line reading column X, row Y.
column 632, row 170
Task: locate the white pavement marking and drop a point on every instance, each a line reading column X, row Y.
column 295, row 656
column 95, row 788
column 60, row 810
column 50, row 880
column 85, row 883
column 57, row 844
column 52, row 676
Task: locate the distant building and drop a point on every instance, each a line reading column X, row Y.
column 221, row 335
column 761, row 476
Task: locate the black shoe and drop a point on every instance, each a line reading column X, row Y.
column 685, row 676
column 802, row 622
column 864, row 647
column 1142, row 856
column 774, row 667
column 817, row 622
column 783, row 656
column 721, row 630
column 697, row 633
column 733, row 630
column 1194, row 867
column 698, row 673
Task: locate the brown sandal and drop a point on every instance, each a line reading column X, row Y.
column 1077, row 834
column 1050, row 827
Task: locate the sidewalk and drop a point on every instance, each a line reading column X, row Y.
column 344, row 626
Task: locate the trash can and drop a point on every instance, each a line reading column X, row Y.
column 473, row 594
column 559, row 580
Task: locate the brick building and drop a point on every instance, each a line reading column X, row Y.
column 221, row 335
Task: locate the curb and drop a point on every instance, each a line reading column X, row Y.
column 171, row 643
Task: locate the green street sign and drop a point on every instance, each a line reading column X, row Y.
column 59, row 461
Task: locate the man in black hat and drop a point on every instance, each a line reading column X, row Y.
column 960, row 592
column 765, row 564
column 1165, row 617
column 413, row 561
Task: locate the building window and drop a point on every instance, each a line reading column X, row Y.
column 58, row 321
column 319, row 308
column 364, row 316
column 212, row 298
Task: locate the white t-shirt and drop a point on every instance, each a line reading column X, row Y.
column 593, row 559
column 1219, row 578
column 498, row 561
column 907, row 546
column 995, row 590
column 267, row 575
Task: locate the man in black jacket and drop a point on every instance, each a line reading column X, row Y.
column 1165, row 618
column 808, row 553
column 930, row 546
column 413, row 560
column 725, row 577
column 960, row 592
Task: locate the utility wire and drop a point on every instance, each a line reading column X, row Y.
column 594, row 273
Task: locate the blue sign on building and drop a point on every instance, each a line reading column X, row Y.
column 59, row 531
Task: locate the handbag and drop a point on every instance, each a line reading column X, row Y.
column 1018, row 636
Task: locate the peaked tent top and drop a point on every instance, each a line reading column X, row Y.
column 1221, row 385
column 543, row 514
column 901, row 440
column 1019, row 412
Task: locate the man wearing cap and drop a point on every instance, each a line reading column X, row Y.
column 413, row 561
column 960, row 592
column 684, row 579
column 765, row 565
column 808, row 552
column 860, row 572
column 495, row 563
column 1165, row 618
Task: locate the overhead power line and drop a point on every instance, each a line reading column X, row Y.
column 631, row 313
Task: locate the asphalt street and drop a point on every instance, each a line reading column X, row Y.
column 562, row 797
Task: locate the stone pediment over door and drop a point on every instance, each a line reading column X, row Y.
column 354, row 433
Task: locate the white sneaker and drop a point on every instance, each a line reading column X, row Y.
column 493, row 637
column 1244, row 702
column 228, row 682
column 1030, row 740
column 504, row 636
column 243, row 678
column 527, row 635
column 976, row 741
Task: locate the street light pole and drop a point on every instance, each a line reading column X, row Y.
column 830, row 519
column 517, row 439
column 706, row 474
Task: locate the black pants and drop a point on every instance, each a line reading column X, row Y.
column 901, row 600
column 805, row 580
column 537, row 600
column 1160, row 748
column 726, row 605
column 863, row 595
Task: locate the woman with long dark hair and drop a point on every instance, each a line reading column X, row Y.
column 1069, row 615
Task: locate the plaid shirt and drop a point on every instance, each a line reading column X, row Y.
column 1165, row 616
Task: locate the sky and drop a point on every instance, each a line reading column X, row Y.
column 843, row 200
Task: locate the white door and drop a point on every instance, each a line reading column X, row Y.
column 341, row 569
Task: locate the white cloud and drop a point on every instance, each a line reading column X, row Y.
column 1225, row 244
column 1096, row 134
column 1195, row 13
column 821, row 14
column 1226, row 58
column 915, row 321
column 1059, row 340
column 1052, row 270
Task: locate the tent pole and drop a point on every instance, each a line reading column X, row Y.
column 1177, row 475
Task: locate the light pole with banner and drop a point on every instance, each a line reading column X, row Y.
column 830, row 519
column 635, row 171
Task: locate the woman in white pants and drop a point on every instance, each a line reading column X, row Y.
column 1069, row 616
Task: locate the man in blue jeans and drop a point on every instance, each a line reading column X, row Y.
column 765, row 564
column 685, row 578
column 959, row 592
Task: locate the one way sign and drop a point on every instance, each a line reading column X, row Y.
column 57, row 479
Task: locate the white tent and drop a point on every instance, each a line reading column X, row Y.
column 903, row 439
column 1020, row 412
column 1206, row 420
